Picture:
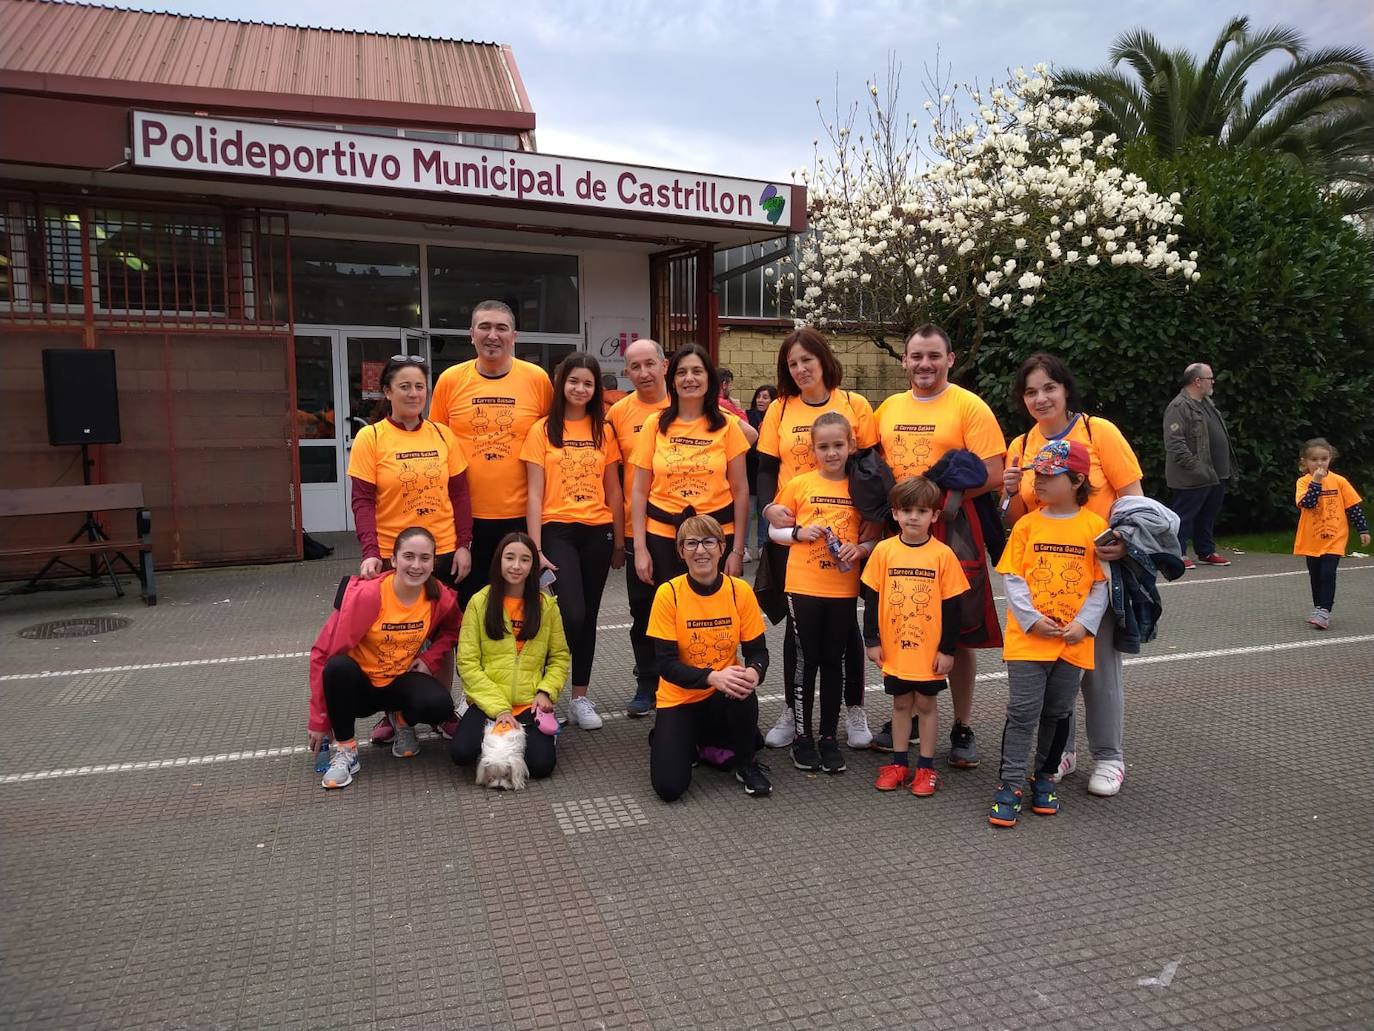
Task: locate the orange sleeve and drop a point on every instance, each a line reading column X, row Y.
column 789, row 496
column 536, row 446
column 750, row 616
column 981, row 432
column 457, row 461
column 768, row 430
column 735, row 442
column 1303, row 483
column 1119, row 463
column 874, row 569
column 663, row 615
column 362, row 460
column 643, row 457
column 1349, row 495
column 865, row 424
column 1013, row 557
column 609, row 444
column 439, row 401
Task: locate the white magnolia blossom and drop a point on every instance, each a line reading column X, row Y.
column 902, row 234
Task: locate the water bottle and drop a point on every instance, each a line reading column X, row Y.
column 322, row 757
column 833, row 542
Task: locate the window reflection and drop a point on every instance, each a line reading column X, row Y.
column 355, row 282
column 542, row 289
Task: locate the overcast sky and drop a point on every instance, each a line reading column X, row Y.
column 730, row 87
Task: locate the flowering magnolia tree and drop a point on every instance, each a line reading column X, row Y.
column 1001, row 203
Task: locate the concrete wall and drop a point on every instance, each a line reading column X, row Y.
column 615, row 303
column 752, row 355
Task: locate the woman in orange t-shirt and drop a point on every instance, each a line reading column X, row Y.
column 575, row 512
column 689, row 460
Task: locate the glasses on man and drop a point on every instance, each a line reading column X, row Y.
column 698, row 543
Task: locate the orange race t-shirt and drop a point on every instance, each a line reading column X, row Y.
column 688, row 465
column 708, row 630
column 1325, row 530
column 916, row 433
column 811, row 569
column 574, row 474
column 626, row 418
column 411, row 470
column 1114, row 464
column 912, row 582
column 395, row 638
column 515, row 612
column 785, row 432
column 490, row 416
column 1057, row 559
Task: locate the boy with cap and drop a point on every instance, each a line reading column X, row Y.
column 1056, row 589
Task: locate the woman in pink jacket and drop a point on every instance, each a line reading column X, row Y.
column 378, row 651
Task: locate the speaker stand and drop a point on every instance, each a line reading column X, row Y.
column 93, row 532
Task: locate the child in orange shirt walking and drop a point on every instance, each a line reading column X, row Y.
column 1055, row 590
column 912, row 584
column 1328, row 504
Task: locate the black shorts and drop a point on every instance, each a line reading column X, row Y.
column 897, row 686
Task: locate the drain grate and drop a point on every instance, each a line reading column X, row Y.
column 86, row 626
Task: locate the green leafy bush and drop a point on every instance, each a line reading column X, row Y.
column 1284, row 313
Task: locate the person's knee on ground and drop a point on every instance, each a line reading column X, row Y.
column 465, row 748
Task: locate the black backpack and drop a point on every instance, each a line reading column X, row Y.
column 870, row 482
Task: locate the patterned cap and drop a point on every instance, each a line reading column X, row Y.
column 1063, row 456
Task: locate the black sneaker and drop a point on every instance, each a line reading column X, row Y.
column 804, row 754
column 754, row 780
column 832, row 761
column 882, row 741
column 963, row 752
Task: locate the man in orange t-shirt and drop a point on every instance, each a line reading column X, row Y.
column 490, row 403
column 915, row 429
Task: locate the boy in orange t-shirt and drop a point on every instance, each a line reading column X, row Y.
column 1056, row 590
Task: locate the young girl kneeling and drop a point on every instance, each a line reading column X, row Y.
column 1056, row 590
column 512, row 655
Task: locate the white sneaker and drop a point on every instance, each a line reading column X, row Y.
column 1067, row 765
column 1107, row 777
column 856, row 729
column 784, row 732
column 582, row 713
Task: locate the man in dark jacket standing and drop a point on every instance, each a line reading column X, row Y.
column 1197, row 463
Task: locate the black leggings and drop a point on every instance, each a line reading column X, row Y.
column 823, row 635
column 681, row 729
column 465, row 748
column 776, row 554
column 486, row 534
column 641, row 599
column 1322, row 572
column 582, row 554
column 667, row 563
column 348, row 694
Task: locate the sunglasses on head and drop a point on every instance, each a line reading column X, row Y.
column 408, row 359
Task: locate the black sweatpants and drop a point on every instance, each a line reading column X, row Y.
column 822, row 631
column 349, row 694
column 1321, row 571
column 641, row 600
column 582, row 553
column 680, row 729
column 486, row 534
column 465, row 747
column 776, row 554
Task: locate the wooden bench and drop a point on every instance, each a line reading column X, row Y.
column 90, row 539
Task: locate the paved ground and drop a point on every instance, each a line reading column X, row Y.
column 169, row 860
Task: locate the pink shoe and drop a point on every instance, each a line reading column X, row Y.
column 447, row 729
column 383, row 732
column 714, row 755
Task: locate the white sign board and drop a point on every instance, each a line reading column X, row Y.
column 323, row 157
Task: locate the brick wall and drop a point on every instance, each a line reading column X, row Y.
column 752, row 355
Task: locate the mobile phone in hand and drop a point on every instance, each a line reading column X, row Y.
column 546, row 579
column 1106, row 537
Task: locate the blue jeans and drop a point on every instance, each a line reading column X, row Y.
column 1197, row 509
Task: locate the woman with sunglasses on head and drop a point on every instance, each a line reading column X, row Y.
column 406, row 470
column 575, row 512
column 688, row 460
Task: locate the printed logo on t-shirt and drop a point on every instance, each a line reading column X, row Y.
column 581, row 465
column 421, row 476
column 689, row 467
column 710, row 642
column 912, row 447
column 910, row 591
column 492, row 421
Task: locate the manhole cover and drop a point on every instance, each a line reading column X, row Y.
column 73, row 627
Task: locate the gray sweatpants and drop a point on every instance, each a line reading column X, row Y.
column 1104, row 702
column 1039, row 694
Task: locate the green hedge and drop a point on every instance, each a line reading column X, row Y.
column 1284, row 313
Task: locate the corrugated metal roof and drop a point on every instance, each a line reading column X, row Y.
column 109, row 43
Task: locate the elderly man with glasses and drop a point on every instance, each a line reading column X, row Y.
column 1198, row 461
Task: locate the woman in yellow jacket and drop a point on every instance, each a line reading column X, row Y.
column 513, row 657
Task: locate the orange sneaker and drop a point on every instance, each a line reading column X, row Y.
column 891, row 777
column 925, row 782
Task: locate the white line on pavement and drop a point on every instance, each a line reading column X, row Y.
column 286, row 750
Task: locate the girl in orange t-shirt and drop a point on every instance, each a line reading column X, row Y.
column 575, row 512
column 829, row 541
column 1328, row 503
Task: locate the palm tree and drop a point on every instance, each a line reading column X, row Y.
column 1317, row 112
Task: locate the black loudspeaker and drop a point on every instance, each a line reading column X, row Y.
column 83, row 401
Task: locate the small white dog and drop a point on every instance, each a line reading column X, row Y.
column 502, row 764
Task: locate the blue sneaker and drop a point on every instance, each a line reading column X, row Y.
column 641, row 704
column 1044, row 799
column 1006, row 806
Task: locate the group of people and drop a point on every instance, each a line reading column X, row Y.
column 489, row 529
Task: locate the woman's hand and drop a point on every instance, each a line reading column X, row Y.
column 644, row 565
column 317, row 738
column 734, row 681
column 809, row 534
column 1113, row 552
column 618, row 556
column 1011, row 481
column 851, row 553
column 370, row 569
column 462, row 564
column 543, row 702
column 779, row 516
column 507, row 720
column 734, row 564
column 418, row 666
